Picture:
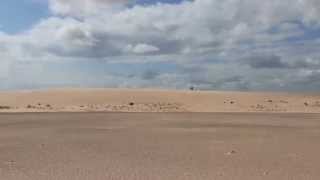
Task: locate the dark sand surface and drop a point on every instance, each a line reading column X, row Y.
column 101, row 146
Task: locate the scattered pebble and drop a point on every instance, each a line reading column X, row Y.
column 231, row 152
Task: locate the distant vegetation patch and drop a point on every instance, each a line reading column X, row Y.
column 5, row 107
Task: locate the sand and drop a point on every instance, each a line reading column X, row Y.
column 125, row 100
column 88, row 134
column 157, row 146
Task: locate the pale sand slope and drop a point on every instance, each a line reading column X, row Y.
column 159, row 146
column 105, row 100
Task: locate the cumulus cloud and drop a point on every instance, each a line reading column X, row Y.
column 142, row 48
column 199, row 26
column 82, row 8
column 240, row 39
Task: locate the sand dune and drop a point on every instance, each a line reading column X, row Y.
column 125, row 100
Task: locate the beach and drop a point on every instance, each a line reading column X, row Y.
column 82, row 146
column 149, row 100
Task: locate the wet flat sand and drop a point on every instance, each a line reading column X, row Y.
column 100, row 146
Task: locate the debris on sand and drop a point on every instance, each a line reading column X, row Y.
column 231, row 152
column 131, row 103
column 48, row 106
column 5, row 107
column 265, row 173
column 30, row 106
column 283, row 101
column 259, row 106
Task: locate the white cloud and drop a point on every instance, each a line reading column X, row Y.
column 142, row 49
column 82, row 8
column 199, row 26
column 187, row 33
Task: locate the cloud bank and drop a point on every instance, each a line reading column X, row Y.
column 213, row 44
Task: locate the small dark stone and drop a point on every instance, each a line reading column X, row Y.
column 131, row 103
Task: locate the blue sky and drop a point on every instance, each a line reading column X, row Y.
column 19, row 15
column 210, row 44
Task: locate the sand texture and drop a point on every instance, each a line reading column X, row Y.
column 158, row 146
column 124, row 100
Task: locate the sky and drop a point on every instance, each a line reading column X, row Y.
column 240, row 45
